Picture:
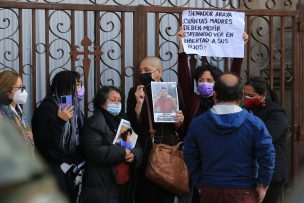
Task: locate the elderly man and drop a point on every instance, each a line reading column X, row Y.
column 151, row 70
column 228, row 151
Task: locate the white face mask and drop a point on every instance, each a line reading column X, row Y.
column 20, row 97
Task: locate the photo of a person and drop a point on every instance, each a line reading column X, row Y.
column 165, row 103
column 125, row 136
column 124, row 139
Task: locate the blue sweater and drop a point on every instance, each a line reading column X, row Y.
column 229, row 151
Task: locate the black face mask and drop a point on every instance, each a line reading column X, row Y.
column 146, row 78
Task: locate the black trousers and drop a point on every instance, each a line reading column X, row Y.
column 148, row 192
column 196, row 196
column 274, row 193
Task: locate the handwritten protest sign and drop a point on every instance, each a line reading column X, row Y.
column 214, row 33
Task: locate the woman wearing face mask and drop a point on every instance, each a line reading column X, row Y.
column 56, row 130
column 263, row 102
column 110, row 173
column 11, row 85
column 205, row 77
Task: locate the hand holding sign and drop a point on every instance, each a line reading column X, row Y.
column 245, row 37
column 213, row 33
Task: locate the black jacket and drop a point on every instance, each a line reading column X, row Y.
column 276, row 122
column 165, row 132
column 47, row 129
column 99, row 183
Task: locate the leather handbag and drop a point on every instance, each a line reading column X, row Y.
column 166, row 166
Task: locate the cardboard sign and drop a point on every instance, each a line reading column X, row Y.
column 214, row 33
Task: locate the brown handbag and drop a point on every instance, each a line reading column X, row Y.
column 166, row 166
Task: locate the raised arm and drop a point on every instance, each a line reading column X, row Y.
column 184, row 74
column 236, row 65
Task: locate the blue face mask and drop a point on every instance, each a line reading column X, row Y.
column 114, row 109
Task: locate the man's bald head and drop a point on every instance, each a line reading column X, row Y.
column 228, row 88
column 153, row 61
column 229, row 79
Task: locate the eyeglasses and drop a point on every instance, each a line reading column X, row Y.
column 19, row 87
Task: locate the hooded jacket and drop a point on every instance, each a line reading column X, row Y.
column 230, row 150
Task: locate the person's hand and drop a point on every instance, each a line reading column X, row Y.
column 140, row 97
column 140, row 94
column 179, row 118
column 29, row 134
column 180, row 34
column 261, row 190
column 129, row 158
column 245, row 37
column 66, row 113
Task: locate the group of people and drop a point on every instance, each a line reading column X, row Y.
column 255, row 97
column 233, row 154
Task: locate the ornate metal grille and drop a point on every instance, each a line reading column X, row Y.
column 249, row 4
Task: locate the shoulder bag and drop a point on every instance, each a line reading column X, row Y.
column 166, row 166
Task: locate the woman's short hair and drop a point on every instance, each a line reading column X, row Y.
column 215, row 72
column 103, row 94
column 8, row 79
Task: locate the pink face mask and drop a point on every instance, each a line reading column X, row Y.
column 80, row 93
column 205, row 89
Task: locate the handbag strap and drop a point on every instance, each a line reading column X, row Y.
column 152, row 131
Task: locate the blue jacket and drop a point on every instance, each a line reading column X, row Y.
column 229, row 151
